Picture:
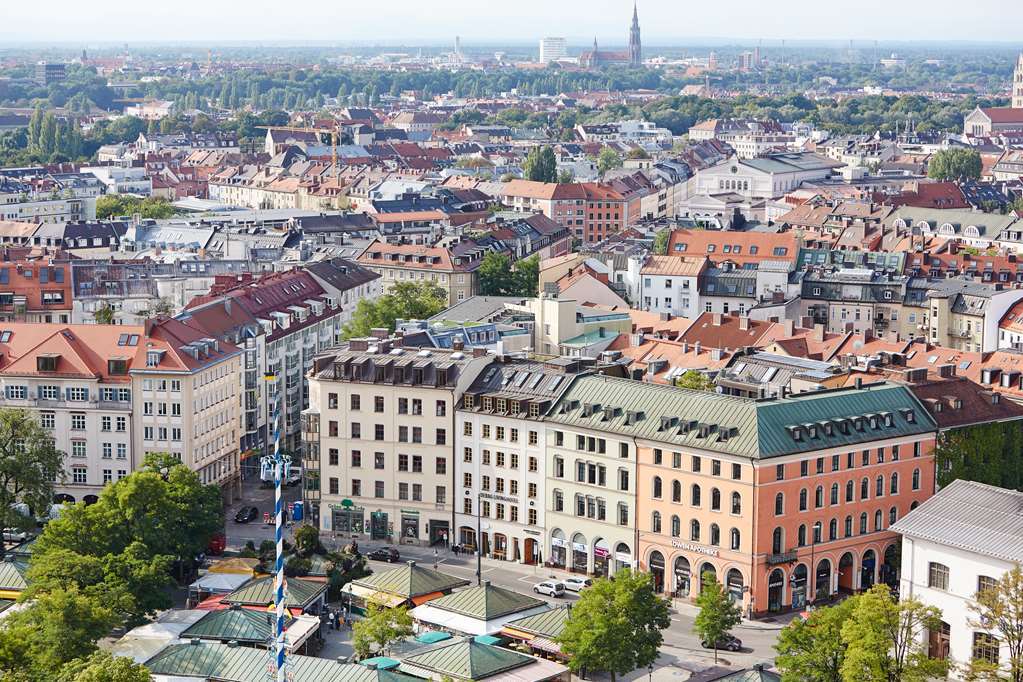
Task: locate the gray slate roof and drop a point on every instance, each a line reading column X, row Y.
column 971, row 516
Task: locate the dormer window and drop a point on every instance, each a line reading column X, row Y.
column 47, row 363
column 117, row 366
column 153, row 358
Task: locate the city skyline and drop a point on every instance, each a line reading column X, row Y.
column 664, row 23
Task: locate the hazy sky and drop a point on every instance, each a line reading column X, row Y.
column 490, row 21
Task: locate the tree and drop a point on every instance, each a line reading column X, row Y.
column 955, row 164
column 987, row 453
column 999, row 610
column 616, row 625
column 812, row 650
column 661, row 240
column 565, row 176
column 1016, row 206
column 102, row 666
column 52, row 630
column 307, row 540
column 608, row 160
column 718, row 613
column 29, row 466
column 695, row 380
column 104, row 314
column 496, row 276
column 541, row 165
column 882, row 639
column 113, row 205
column 637, row 153
column 527, row 271
column 406, row 301
column 161, row 307
column 380, row 628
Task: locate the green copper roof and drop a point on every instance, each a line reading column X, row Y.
column 12, row 574
column 260, row 592
column 210, row 660
column 751, row 675
column 466, row 659
column 486, row 602
column 746, row 427
column 433, row 636
column 410, row 581
column 242, row 625
column 548, row 624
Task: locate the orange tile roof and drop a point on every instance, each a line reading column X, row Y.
column 415, row 256
column 675, row 354
column 714, row 330
column 738, row 247
column 682, row 266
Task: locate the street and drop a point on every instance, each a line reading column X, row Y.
column 681, row 648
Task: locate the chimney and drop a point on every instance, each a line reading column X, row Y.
column 696, row 347
column 379, row 332
column 685, row 346
column 806, row 322
column 946, row 371
column 744, row 323
column 715, row 354
column 717, row 319
column 788, row 327
column 457, row 343
column 859, row 383
column 478, row 352
column 819, row 331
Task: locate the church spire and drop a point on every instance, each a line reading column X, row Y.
column 1017, row 84
column 635, row 44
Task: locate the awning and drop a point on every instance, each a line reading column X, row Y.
column 544, row 644
column 423, row 598
column 433, row 636
column 300, row 630
column 385, row 598
column 487, row 639
column 10, row 594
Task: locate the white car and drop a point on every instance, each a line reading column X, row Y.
column 576, row 584
column 550, row 587
column 14, row 535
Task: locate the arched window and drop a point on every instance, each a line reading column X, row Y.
column 879, row 486
column 779, row 504
column 834, row 493
column 894, row 489
column 833, row 529
column 863, row 523
column 694, row 530
column 801, row 537
column 676, row 526
column 893, row 515
column 676, row 491
column 694, row 495
column 734, row 539
column 916, row 503
column 878, row 520
column 802, row 499
column 848, row 526
column 715, row 499
column 818, row 497
column 848, row 491
column 657, row 487
column 655, row 522
column 736, row 503
column 715, row 534
column 916, row 479
column 864, row 489
column 777, row 544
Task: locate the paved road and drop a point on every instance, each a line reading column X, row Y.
column 263, row 499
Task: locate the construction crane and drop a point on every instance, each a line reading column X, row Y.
column 335, row 136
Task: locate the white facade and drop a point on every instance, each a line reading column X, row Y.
column 675, row 294
column 119, row 180
column 552, row 49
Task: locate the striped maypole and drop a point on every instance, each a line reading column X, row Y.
column 279, row 530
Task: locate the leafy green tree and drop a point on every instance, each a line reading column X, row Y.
column 380, row 628
column 406, row 301
column 307, row 540
column 102, row 666
column 111, row 205
column 1016, row 206
column 718, row 613
column 496, row 276
column 955, row 164
column 104, row 314
column 54, row 629
column 695, row 380
column 999, row 610
column 987, row 453
column 882, row 639
column 638, row 153
column 661, row 240
column 812, row 650
column 297, row 566
column 541, row 165
column 527, row 272
column 565, row 176
column 608, row 160
column 616, row 625
column 29, row 465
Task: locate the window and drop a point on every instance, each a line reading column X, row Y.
column 378, row 432
column 894, row 487
column 441, row 465
column 715, row 467
column 864, row 489
column 863, row 523
column 736, row 503
column 833, row 529
column 777, row 544
column 694, row 530
column 804, row 468
column 733, row 539
column 802, row 499
column 818, row 497
column 378, row 460
column 916, row 479
column 801, row 535
column 937, row 576
column 878, row 518
column 77, row 421
column 108, row 450
column 655, row 522
column 736, row 472
column 378, row 403
column 378, row 489
column 849, row 491
column 985, row 647
column 78, row 448
column 356, row 402
column 848, row 526
column 696, row 464
column 467, row 429
column 657, row 487
column 779, row 472
column 985, row 582
column 893, row 515
column 834, row 493
column 715, row 535
column 879, row 487
column 79, row 475
column 694, row 495
column 356, row 430
column 779, row 504
column 715, row 499
column 676, row 491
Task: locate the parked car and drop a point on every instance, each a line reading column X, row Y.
column 218, row 543
column 727, row 642
column 388, row 554
column 551, row 588
column 246, row 514
column 15, row 535
column 576, row 584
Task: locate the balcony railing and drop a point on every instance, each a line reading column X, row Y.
column 783, row 558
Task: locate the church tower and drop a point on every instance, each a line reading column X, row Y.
column 635, row 45
column 1017, row 84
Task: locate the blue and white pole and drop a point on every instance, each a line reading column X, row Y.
column 279, row 464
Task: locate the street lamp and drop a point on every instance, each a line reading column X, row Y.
column 812, row 577
column 479, row 539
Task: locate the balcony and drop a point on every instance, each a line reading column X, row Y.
column 784, row 558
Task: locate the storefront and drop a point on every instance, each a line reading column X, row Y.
column 734, row 584
column 623, row 557
column 601, row 558
column 799, row 587
column 438, row 532
column 657, row 571
column 683, row 577
column 580, row 553
column 559, row 550
column 348, row 520
column 379, row 528
column 409, row 525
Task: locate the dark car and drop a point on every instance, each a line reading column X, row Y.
column 727, row 642
column 388, row 554
column 246, row 514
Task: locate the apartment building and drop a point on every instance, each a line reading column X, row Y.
column 958, row 543
column 456, row 273
column 784, row 501
column 671, row 284
column 380, row 433
column 34, row 289
column 111, row 394
column 499, row 457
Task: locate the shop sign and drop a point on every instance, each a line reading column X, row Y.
column 690, row 547
column 558, row 542
column 600, row 552
column 579, row 547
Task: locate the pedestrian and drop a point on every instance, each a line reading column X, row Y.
column 330, row 619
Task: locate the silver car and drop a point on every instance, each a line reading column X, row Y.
column 551, row 588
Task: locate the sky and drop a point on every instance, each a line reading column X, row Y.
column 664, row 22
